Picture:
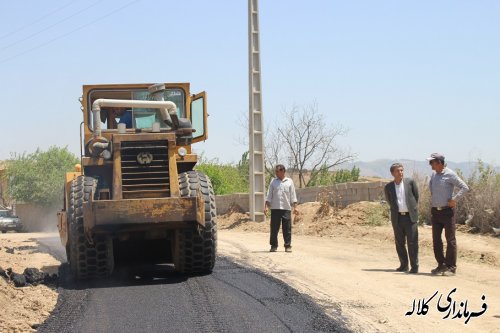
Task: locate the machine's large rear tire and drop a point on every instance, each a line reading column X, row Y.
column 196, row 247
column 86, row 260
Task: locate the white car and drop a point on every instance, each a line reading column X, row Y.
column 9, row 222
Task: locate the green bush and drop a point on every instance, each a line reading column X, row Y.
column 39, row 177
column 226, row 178
column 378, row 215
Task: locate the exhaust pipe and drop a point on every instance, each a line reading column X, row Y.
column 156, row 92
column 166, row 108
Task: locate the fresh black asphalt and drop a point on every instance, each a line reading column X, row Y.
column 154, row 298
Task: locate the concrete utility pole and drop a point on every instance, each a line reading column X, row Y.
column 255, row 119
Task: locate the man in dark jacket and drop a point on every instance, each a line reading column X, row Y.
column 402, row 196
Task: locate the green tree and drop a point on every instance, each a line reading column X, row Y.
column 355, row 174
column 38, row 177
column 244, row 168
column 342, row 176
column 324, row 177
column 226, row 178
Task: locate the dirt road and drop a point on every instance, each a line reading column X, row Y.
column 356, row 278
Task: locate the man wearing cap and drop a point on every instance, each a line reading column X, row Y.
column 442, row 183
column 402, row 196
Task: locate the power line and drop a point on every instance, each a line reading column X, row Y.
column 70, row 32
column 36, row 21
column 50, row 26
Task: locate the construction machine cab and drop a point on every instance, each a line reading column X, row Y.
column 188, row 108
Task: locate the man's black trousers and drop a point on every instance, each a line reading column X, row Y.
column 406, row 232
column 284, row 218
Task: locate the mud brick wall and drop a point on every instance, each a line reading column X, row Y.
column 340, row 194
column 223, row 202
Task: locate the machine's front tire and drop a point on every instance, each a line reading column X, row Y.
column 196, row 247
column 86, row 260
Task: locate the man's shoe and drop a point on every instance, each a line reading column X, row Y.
column 439, row 270
column 414, row 270
column 288, row 249
column 449, row 272
column 273, row 249
column 402, row 269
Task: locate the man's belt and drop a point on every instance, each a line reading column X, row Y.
column 403, row 213
column 441, row 208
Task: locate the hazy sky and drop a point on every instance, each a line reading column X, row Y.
column 407, row 77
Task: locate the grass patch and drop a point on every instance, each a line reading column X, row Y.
column 378, row 215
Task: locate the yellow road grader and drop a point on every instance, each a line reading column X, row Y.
column 137, row 180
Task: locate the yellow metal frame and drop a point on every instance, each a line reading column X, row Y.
column 173, row 212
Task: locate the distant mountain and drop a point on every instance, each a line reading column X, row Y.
column 380, row 168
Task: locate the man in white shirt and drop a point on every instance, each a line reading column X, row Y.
column 402, row 196
column 281, row 197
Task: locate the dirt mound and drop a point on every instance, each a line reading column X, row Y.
column 24, row 308
column 240, row 221
column 314, row 218
column 318, row 219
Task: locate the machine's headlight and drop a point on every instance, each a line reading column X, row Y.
column 182, row 151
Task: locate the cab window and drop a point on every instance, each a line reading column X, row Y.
column 133, row 117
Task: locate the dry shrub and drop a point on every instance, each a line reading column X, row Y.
column 324, row 207
column 297, row 218
column 479, row 208
column 329, row 203
column 424, row 200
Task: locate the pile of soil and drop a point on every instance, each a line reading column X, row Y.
column 314, row 219
column 24, row 308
